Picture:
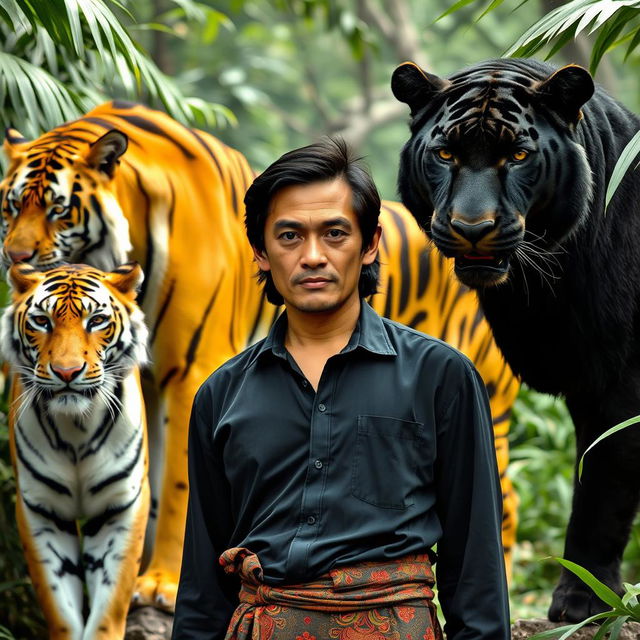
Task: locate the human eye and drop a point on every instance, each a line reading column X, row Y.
column 288, row 236
column 336, row 234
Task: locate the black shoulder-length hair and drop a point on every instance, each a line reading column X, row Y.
column 326, row 159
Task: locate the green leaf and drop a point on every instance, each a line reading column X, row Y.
column 561, row 633
column 631, row 421
column 631, row 593
column 616, row 627
column 607, row 37
column 75, row 26
column 455, row 7
column 604, row 629
column 633, row 44
column 607, row 595
column 569, row 34
column 494, row 4
column 5, row 634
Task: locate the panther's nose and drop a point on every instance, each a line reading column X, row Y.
column 472, row 231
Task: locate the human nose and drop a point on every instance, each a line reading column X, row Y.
column 313, row 255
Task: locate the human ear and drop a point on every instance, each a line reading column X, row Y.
column 261, row 258
column 371, row 251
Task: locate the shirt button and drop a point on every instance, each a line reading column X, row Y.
column 311, row 520
column 304, row 382
column 318, row 464
column 321, row 407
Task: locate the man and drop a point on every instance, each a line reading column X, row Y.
column 328, row 459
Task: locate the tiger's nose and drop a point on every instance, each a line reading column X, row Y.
column 67, row 373
column 21, row 256
column 472, row 231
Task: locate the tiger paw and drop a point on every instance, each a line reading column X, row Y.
column 156, row 588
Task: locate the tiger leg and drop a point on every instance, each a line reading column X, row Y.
column 52, row 551
column 154, row 410
column 509, row 496
column 112, row 552
column 158, row 585
column 502, row 395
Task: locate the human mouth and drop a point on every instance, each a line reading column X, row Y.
column 314, row 283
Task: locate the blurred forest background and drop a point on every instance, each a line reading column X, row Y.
column 266, row 77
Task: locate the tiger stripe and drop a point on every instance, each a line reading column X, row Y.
column 78, row 441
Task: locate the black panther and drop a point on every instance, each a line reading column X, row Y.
column 506, row 169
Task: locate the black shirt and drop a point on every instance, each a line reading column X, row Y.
column 393, row 454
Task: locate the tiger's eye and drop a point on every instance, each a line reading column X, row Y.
column 445, row 154
column 520, row 155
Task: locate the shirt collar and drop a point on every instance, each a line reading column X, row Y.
column 369, row 334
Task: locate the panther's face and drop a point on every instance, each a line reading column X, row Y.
column 57, row 202
column 72, row 333
column 492, row 170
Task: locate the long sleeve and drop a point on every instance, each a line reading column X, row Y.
column 470, row 571
column 206, row 596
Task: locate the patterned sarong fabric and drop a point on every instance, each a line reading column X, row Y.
column 392, row 600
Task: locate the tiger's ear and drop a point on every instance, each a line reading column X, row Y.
column 23, row 277
column 565, row 91
column 126, row 278
column 13, row 145
column 413, row 85
column 104, row 153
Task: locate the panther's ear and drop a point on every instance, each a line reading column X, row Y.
column 105, row 151
column 413, row 85
column 126, row 278
column 565, row 91
column 22, row 277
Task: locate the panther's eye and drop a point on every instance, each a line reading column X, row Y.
column 96, row 321
column 520, row 155
column 445, row 154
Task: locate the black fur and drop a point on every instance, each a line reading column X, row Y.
column 573, row 330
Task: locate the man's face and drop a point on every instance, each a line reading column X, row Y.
column 313, row 246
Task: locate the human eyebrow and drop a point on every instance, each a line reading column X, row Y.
column 287, row 224
column 338, row 222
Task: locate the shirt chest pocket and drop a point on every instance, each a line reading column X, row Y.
column 385, row 463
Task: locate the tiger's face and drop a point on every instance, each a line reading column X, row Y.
column 57, row 202
column 71, row 333
column 492, row 170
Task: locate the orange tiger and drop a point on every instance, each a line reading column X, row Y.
column 173, row 202
column 75, row 339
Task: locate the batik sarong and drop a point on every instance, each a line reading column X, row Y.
column 366, row 601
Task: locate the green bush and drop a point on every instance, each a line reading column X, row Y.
column 542, row 444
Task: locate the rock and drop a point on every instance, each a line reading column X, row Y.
column 524, row 629
column 147, row 623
